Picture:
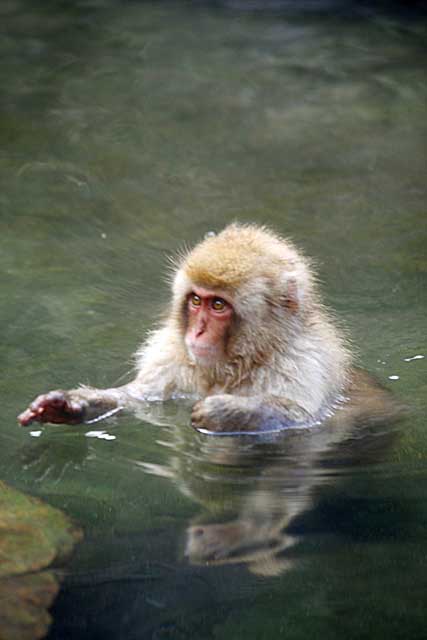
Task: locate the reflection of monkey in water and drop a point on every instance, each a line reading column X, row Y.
column 246, row 333
column 256, row 492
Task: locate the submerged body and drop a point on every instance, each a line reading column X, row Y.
column 246, row 333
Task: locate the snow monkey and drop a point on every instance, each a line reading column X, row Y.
column 246, row 335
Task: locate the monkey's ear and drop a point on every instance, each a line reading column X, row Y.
column 291, row 299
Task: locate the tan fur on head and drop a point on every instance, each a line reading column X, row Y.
column 227, row 260
column 238, row 253
column 248, row 260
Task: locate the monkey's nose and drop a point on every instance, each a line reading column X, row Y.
column 200, row 327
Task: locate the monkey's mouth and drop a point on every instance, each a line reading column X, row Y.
column 203, row 353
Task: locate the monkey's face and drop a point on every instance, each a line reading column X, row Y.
column 209, row 315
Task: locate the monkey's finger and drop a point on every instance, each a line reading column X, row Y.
column 196, row 418
column 196, row 409
column 27, row 417
column 197, row 415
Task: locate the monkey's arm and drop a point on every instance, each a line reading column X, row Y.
column 76, row 405
column 159, row 375
column 228, row 413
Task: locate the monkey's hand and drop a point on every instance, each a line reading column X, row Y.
column 56, row 407
column 85, row 404
column 217, row 413
column 227, row 413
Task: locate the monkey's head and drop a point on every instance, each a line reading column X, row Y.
column 239, row 294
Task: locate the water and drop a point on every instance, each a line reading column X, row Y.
column 131, row 129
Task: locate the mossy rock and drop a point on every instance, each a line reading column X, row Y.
column 33, row 538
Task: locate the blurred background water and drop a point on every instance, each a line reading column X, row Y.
column 127, row 131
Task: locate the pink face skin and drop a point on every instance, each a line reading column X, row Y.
column 209, row 316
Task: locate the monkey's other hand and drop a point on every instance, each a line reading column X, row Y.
column 56, row 407
column 222, row 413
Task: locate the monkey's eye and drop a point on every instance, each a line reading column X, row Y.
column 218, row 304
column 195, row 300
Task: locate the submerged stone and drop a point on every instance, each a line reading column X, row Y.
column 34, row 538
